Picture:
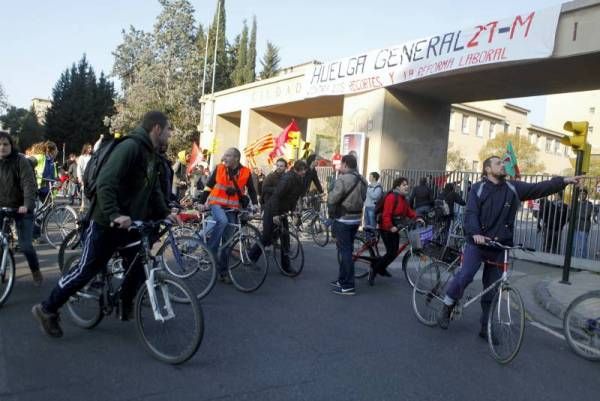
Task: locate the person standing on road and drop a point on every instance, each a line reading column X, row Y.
column 18, row 192
column 490, row 215
column 396, row 212
column 374, row 193
column 224, row 193
column 421, row 198
column 554, row 216
column 82, row 162
column 583, row 225
column 46, row 169
column 127, row 189
column 345, row 203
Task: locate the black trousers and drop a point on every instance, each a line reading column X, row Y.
column 391, row 241
column 100, row 243
column 268, row 235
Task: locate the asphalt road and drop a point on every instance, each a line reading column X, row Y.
column 291, row 340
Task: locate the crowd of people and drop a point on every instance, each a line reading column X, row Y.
column 137, row 182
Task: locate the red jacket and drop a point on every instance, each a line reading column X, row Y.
column 402, row 210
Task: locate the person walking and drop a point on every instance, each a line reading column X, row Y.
column 374, row 194
column 490, row 215
column 421, row 198
column 583, row 225
column 345, row 203
column 19, row 191
column 128, row 189
column 554, row 215
column 82, row 162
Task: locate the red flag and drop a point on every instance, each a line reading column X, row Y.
column 195, row 158
column 283, row 138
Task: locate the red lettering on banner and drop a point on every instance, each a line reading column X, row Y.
column 473, row 42
column 518, row 20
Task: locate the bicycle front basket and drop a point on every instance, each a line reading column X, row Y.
column 419, row 237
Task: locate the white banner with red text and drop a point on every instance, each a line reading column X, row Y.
column 525, row 36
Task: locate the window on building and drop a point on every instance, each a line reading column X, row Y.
column 590, row 129
column 566, row 151
column 592, row 110
column 492, row 131
column 556, row 146
column 518, row 130
column 465, row 125
column 548, row 145
column 479, row 128
column 506, row 127
column 532, row 138
column 475, row 165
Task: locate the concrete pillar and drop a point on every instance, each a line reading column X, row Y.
column 414, row 132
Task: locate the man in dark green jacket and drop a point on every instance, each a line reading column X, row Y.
column 127, row 189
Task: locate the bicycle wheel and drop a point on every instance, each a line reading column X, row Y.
column 67, row 247
column 7, row 274
column 190, row 259
column 84, row 306
column 59, row 221
column 247, row 275
column 295, row 254
column 248, row 230
column 582, row 325
column 174, row 333
column 363, row 254
column 429, row 291
column 319, row 231
column 413, row 263
column 506, row 324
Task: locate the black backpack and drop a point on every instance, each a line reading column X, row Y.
column 98, row 159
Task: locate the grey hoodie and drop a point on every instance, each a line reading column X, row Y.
column 354, row 201
column 374, row 193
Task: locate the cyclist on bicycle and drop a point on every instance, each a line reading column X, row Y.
column 270, row 183
column 490, row 214
column 127, row 189
column 395, row 212
column 284, row 199
column 19, row 191
column 224, row 193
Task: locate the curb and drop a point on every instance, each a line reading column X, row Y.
column 543, row 297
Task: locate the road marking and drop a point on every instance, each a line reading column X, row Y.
column 547, row 330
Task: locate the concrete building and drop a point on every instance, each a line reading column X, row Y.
column 578, row 106
column 473, row 124
column 40, row 108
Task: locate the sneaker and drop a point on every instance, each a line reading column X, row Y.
column 444, row 318
column 371, row 277
column 48, row 321
column 483, row 333
column 335, row 284
column 37, row 278
column 343, row 291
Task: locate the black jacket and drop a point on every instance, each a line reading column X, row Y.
column 554, row 215
column 17, row 182
column 451, row 198
column 269, row 185
column 421, row 195
column 311, row 176
column 285, row 197
column 493, row 213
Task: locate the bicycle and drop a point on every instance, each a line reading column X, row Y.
column 506, row 321
column 245, row 274
column 314, row 213
column 166, row 311
column 582, row 325
column 366, row 252
column 7, row 264
column 55, row 221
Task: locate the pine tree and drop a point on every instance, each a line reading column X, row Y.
column 79, row 104
column 270, row 61
column 251, row 62
column 238, row 76
column 23, row 126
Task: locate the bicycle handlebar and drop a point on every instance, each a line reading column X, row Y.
column 497, row 244
column 9, row 210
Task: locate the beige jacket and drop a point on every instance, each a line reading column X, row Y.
column 352, row 205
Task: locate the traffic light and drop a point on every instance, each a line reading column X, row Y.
column 579, row 138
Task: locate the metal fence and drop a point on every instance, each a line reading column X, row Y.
column 541, row 224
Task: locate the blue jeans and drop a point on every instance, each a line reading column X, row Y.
column 370, row 221
column 24, row 225
column 344, row 235
column 580, row 244
column 222, row 230
column 472, row 257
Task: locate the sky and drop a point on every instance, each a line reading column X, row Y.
column 40, row 39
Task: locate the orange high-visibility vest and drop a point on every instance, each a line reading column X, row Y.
column 218, row 194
